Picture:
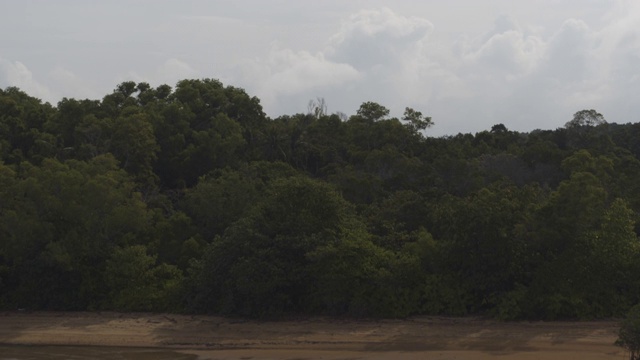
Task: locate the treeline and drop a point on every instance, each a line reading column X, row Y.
column 190, row 199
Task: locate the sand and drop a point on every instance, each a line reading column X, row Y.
column 211, row 337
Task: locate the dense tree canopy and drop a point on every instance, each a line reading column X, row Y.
column 191, row 199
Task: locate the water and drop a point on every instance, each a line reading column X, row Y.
column 88, row 353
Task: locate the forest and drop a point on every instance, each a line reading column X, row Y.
column 189, row 199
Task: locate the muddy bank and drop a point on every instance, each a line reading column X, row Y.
column 222, row 338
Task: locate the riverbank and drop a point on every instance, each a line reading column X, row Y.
column 211, row 337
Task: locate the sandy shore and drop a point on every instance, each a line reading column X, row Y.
column 318, row 338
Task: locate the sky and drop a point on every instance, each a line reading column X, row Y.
column 469, row 64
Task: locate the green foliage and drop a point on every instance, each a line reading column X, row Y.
column 200, row 128
column 22, row 134
column 481, row 243
column 259, row 266
column 134, row 144
column 357, row 278
column 224, row 196
column 586, row 118
column 372, row 112
column 60, row 223
column 629, row 333
column 137, row 283
column 415, row 121
column 189, row 198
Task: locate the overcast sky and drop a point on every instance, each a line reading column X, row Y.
column 469, row 64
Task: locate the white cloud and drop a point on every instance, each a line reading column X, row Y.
column 68, row 84
column 174, row 70
column 518, row 77
column 376, row 23
column 290, row 72
column 570, row 53
column 533, row 67
column 506, row 55
column 374, row 55
column 169, row 72
column 377, row 38
column 15, row 73
column 527, row 76
column 284, row 73
column 619, row 56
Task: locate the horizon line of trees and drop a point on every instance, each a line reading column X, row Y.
column 191, row 199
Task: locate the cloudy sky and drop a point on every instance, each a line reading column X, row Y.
column 469, row 64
